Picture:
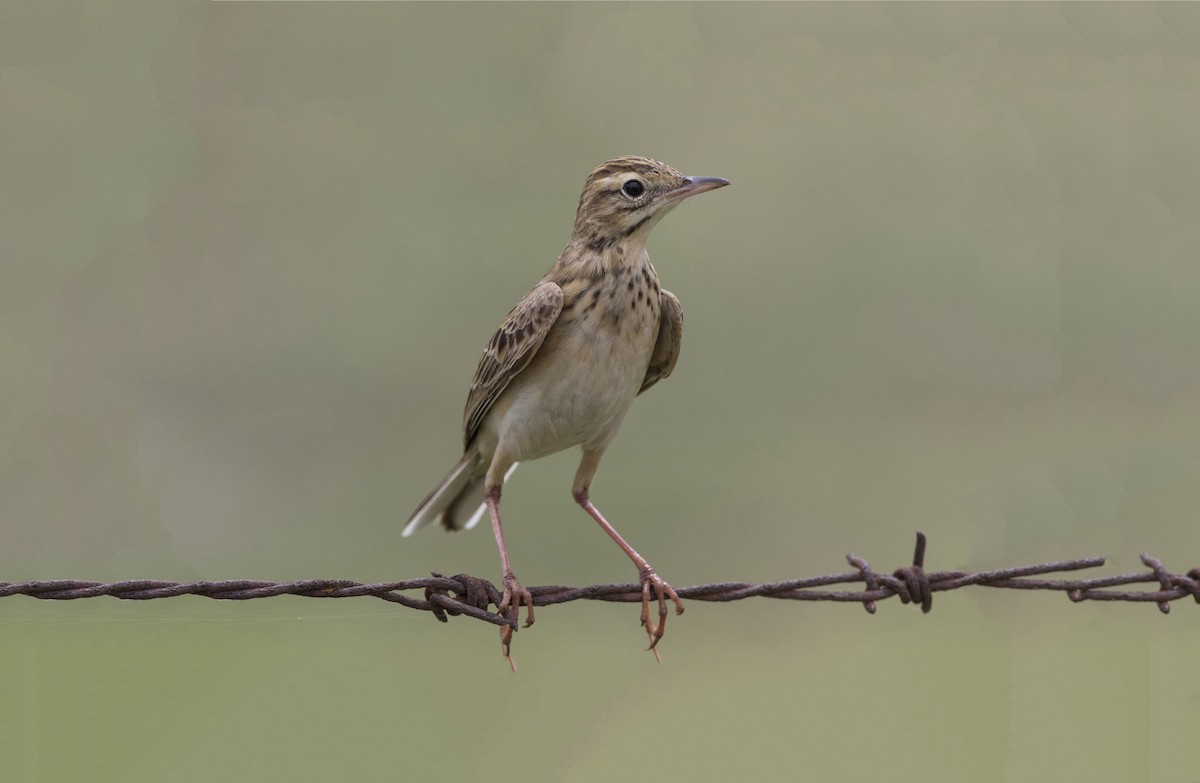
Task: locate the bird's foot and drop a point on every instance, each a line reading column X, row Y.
column 510, row 607
column 652, row 581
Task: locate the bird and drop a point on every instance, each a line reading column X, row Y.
column 566, row 364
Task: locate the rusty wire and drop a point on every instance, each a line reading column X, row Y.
column 472, row 596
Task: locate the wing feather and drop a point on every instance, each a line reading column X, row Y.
column 510, row 350
column 670, row 336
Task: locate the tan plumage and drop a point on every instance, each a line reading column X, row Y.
column 509, row 351
column 666, row 345
column 567, row 362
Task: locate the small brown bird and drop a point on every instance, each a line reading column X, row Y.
column 567, row 362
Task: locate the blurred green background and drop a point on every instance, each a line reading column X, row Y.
column 250, row 254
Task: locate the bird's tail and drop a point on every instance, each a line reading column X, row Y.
column 460, row 491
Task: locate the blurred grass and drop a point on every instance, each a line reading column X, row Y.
column 251, row 253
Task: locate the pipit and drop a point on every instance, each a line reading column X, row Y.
column 568, row 361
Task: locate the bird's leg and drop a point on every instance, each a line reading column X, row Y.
column 649, row 579
column 514, row 595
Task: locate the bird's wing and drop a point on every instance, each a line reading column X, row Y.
column 510, row 350
column 666, row 347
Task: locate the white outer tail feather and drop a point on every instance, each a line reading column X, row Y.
column 459, row 481
column 478, row 515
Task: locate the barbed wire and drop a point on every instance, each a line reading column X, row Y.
column 470, row 596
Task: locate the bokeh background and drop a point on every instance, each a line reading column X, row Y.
column 250, row 253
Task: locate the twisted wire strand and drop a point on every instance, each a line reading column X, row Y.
column 466, row 595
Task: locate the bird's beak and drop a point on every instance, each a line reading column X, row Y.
column 693, row 185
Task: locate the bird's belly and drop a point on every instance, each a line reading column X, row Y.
column 576, row 393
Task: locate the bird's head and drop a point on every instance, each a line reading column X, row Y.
column 623, row 199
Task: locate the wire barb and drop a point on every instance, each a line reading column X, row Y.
column 470, row 596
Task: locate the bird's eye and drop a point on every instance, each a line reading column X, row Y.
column 633, row 188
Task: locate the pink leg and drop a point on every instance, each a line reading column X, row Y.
column 514, row 594
column 647, row 575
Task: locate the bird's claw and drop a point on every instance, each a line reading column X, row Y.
column 510, row 608
column 651, row 580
